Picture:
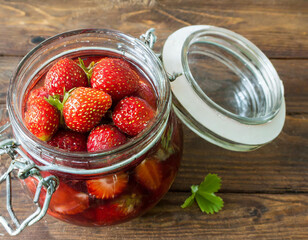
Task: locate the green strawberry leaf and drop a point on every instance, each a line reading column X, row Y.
column 204, row 195
column 209, row 202
column 189, row 201
column 211, row 183
column 88, row 70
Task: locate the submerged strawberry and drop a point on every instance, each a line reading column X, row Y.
column 105, row 137
column 116, row 211
column 149, row 173
column 132, row 114
column 69, row 140
column 36, row 93
column 42, row 119
column 115, row 77
column 107, row 187
column 65, row 200
column 65, row 75
column 85, row 108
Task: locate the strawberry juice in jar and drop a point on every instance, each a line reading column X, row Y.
column 105, row 187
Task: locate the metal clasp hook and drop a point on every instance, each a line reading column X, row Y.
column 149, row 38
column 25, row 168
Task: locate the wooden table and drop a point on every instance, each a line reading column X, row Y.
column 265, row 191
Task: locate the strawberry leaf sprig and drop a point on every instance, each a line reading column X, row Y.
column 88, row 70
column 204, row 195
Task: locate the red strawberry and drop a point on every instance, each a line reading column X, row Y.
column 107, row 187
column 115, row 77
column 132, row 114
column 146, row 92
column 36, row 93
column 65, row 74
column 85, row 108
column 42, row 119
column 105, row 137
column 116, row 211
column 104, row 215
column 149, row 173
column 69, row 140
column 65, row 200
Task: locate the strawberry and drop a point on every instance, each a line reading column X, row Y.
column 69, row 140
column 128, row 204
column 132, row 114
column 146, row 92
column 36, row 93
column 65, row 200
column 107, row 187
column 116, row 211
column 116, row 77
column 105, row 137
column 149, row 173
column 42, row 119
column 104, row 215
column 65, row 74
column 85, row 108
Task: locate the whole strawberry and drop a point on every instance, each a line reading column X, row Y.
column 84, row 109
column 65, row 74
column 146, row 92
column 36, row 93
column 105, row 137
column 69, row 140
column 42, row 119
column 116, row 77
column 132, row 114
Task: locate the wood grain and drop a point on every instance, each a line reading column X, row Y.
column 278, row 167
column 278, row 28
column 245, row 216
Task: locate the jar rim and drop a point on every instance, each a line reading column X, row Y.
column 159, row 123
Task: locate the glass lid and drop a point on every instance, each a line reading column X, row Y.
column 228, row 92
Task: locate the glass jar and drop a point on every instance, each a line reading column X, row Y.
column 59, row 179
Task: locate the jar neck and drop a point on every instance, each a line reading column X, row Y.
column 85, row 41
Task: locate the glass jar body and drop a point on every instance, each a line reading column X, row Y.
column 136, row 174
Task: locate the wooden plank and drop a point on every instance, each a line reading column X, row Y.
column 278, row 28
column 280, row 166
column 293, row 73
column 244, row 216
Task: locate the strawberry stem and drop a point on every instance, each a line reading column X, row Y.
column 88, row 70
column 56, row 102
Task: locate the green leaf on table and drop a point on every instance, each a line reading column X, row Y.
column 204, row 195
column 211, row 183
column 189, row 201
column 209, row 202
